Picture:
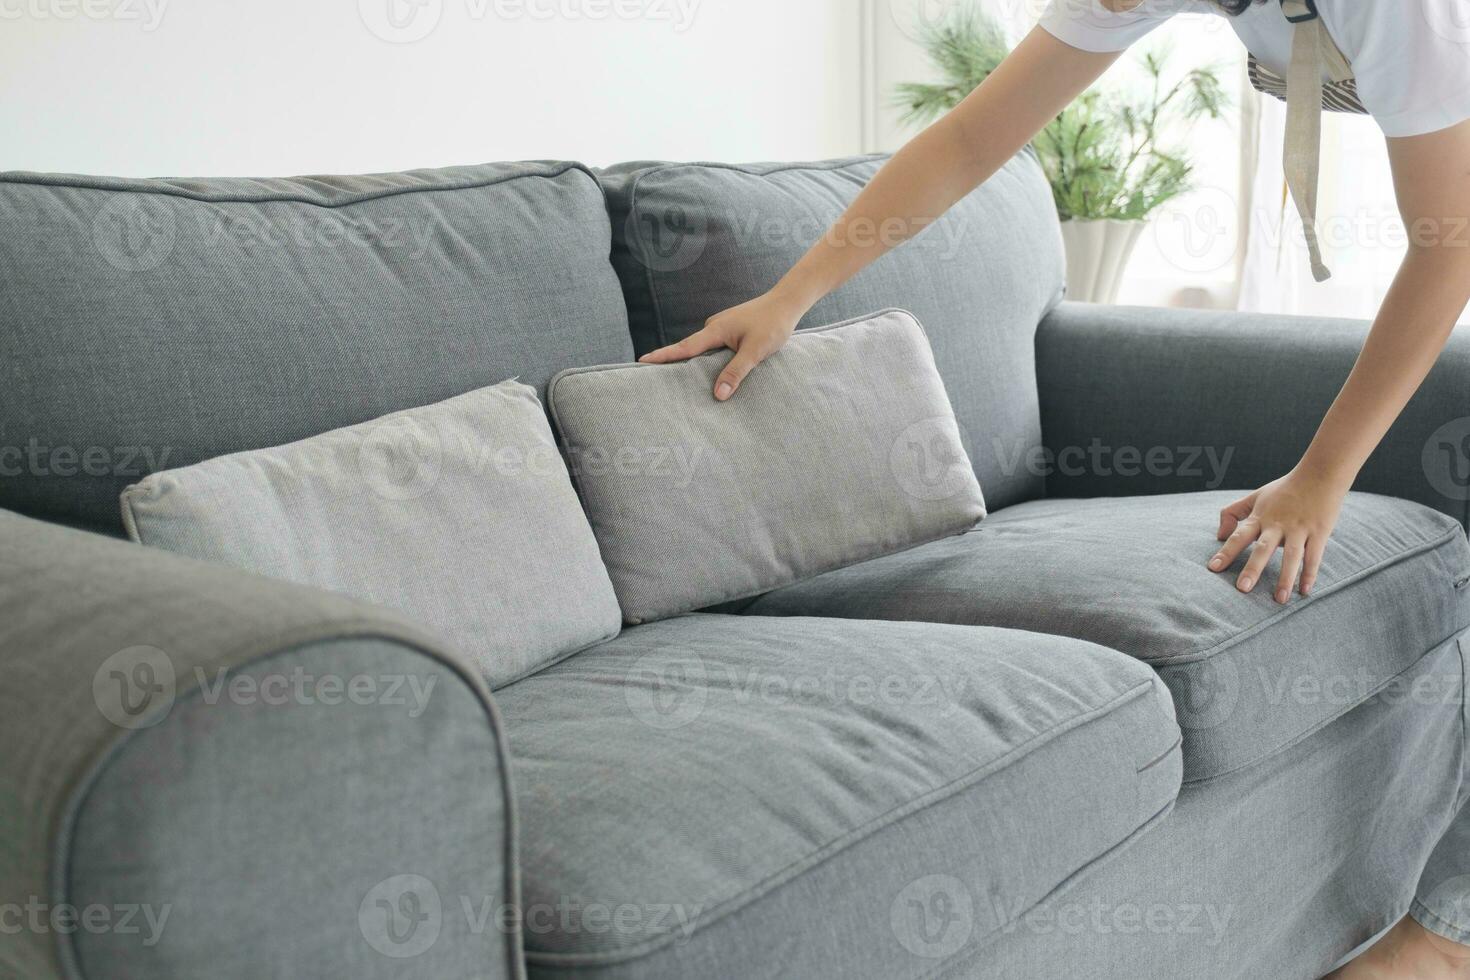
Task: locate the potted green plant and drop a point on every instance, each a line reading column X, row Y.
column 1105, row 154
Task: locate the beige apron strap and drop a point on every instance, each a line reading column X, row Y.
column 1312, row 52
column 1339, row 69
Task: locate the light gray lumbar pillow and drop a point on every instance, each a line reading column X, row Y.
column 460, row 514
column 839, row 448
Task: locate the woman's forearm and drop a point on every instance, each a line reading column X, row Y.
column 946, row 161
column 1427, row 297
column 1432, row 180
column 921, row 182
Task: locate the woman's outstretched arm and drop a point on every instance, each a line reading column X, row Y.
column 922, row 181
column 1298, row 511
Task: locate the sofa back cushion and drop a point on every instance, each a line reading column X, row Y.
column 459, row 514
column 151, row 324
column 843, row 448
column 690, row 240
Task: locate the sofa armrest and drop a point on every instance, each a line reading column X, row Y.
column 207, row 773
column 1138, row 400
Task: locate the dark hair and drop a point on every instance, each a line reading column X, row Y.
column 1233, row 7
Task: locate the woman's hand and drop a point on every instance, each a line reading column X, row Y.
column 754, row 330
column 1297, row 513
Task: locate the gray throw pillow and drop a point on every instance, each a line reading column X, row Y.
column 460, row 514
column 841, row 447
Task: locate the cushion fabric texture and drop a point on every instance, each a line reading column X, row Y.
column 841, row 447
column 692, row 239
column 834, row 777
column 459, row 514
column 1249, row 676
column 152, row 324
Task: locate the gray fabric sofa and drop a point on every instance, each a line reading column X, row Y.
column 1053, row 746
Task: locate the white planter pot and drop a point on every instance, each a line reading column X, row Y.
column 1097, row 254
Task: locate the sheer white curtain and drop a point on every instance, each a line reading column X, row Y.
column 1362, row 234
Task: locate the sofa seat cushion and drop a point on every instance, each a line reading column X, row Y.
column 1249, row 676
column 789, row 793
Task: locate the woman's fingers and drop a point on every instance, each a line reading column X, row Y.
column 750, row 351
column 1296, row 513
column 1316, row 547
column 691, row 346
column 1233, row 514
column 747, row 357
column 1261, row 553
column 1245, row 532
column 1292, row 558
column 754, row 330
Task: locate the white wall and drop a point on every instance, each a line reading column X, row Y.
column 260, row 87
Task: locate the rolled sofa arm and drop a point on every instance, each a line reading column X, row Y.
column 1138, row 400
column 206, row 773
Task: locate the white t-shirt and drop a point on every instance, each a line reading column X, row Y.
column 1411, row 58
